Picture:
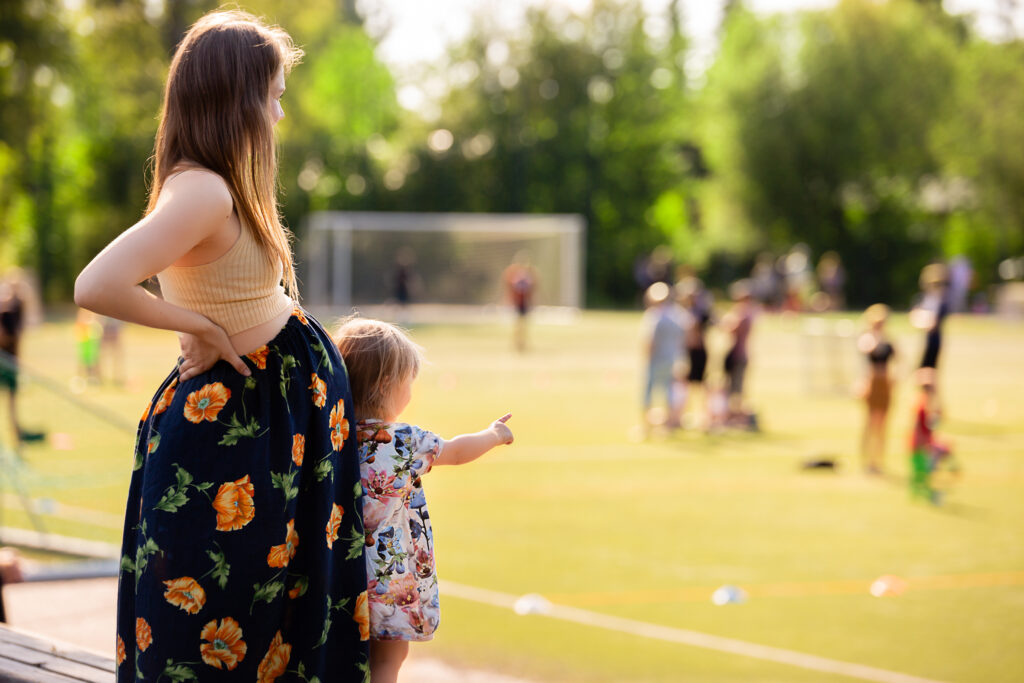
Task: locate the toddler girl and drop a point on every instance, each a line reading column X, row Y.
column 402, row 585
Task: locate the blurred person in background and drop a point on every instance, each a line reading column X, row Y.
column 767, row 283
column 799, row 283
column 696, row 303
column 876, row 388
column 12, row 324
column 928, row 453
column 405, row 282
column 520, row 280
column 88, row 337
column 931, row 312
column 656, row 266
column 832, row 280
column 738, row 323
column 10, row 572
column 663, row 328
column 961, row 278
column 111, row 349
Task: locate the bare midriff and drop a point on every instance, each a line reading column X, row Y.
column 253, row 338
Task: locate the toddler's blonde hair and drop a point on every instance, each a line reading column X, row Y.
column 379, row 356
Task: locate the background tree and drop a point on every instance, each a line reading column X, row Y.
column 887, row 131
column 34, row 61
column 981, row 141
column 822, row 126
column 581, row 114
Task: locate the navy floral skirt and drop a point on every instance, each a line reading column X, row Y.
column 243, row 545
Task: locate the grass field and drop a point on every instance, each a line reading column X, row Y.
column 583, row 513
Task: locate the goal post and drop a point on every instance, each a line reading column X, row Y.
column 364, row 259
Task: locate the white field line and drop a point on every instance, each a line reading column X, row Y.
column 687, row 637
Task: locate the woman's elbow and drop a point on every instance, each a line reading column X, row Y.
column 87, row 291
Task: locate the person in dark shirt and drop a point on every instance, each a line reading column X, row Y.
column 738, row 323
column 697, row 303
column 520, row 281
column 932, row 311
column 12, row 323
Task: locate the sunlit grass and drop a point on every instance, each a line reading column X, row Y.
column 581, row 511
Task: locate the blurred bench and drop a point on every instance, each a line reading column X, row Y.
column 29, row 658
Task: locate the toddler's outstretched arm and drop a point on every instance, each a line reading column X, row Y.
column 468, row 447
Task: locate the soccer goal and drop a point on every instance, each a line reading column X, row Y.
column 440, row 262
column 828, row 353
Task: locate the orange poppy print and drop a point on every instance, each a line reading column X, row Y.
column 166, row 397
column 301, row 315
column 361, row 615
column 281, row 555
column 224, row 647
column 298, row 448
column 333, row 524
column 145, row 413
column 186, row 593
column 275, row 661
column 319, row 388
column 206, row 403
column 234, row 505
column 259, row 357
column 121, row 656
column 339, row 426
column 143, row 634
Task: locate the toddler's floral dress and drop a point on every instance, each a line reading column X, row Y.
column 402, row 583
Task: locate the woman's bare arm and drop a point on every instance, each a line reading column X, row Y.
column 193, row 206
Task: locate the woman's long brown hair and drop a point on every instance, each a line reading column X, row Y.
column 216, row 116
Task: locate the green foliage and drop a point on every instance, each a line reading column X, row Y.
column 982, row 140
column 35, row 59
column 883, row 130
column 582, row 115
column 822, row 126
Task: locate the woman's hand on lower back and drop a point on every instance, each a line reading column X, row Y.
column 201, row 351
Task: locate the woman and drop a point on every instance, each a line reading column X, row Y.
column 877, row 387
column 243, row 543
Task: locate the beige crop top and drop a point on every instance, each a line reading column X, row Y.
column 240, row 289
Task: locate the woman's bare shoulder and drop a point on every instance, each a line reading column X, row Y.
column 202, row 187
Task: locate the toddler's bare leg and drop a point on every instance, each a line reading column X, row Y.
column 386, row 657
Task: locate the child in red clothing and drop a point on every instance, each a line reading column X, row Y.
column 927, row 452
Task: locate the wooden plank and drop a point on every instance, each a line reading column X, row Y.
column 86, row 657
column 50, row 660
column 75, row 671
column 34, row 642
column 16, row 672
column 22, row 654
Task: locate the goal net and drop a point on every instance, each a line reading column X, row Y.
column 443, row 262
column 828, row 353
